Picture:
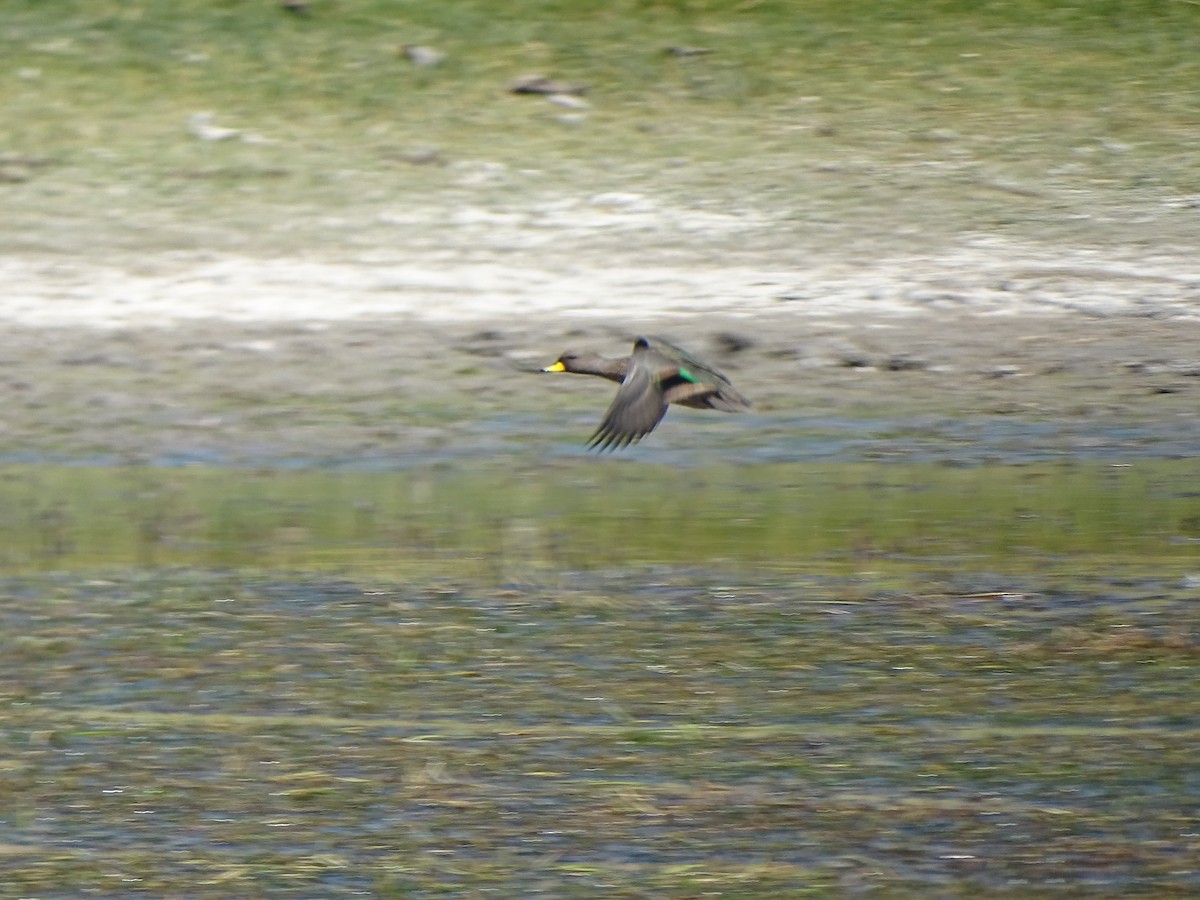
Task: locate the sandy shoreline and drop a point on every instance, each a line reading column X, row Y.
column 432, row 349
column 984, row 277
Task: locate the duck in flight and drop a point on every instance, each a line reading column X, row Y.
column 653, row 377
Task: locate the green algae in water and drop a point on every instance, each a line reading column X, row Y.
column 516, row 520
column 190, row 733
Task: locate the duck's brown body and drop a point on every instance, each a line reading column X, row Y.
column 653, row 377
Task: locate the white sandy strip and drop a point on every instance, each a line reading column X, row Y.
column 982, row 277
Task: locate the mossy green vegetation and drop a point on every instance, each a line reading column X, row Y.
column 521, row 517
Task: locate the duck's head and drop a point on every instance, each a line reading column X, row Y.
column 590, row 364
column 565, row 363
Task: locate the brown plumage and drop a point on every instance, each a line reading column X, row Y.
column 653, row 377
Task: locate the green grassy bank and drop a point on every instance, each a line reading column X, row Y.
column 884, row 118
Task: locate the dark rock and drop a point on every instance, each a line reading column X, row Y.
column 730, row 342
column 539, row 84
column 903, row 363
column 852, row 358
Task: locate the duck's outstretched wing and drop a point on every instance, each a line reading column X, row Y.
column 638, row 407
column 699, row 369
column 696, row 383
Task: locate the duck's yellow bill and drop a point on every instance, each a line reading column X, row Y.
column 556, row 367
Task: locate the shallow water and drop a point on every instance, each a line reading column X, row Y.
column 703, row 441
column 658, row 731
column 600, row 677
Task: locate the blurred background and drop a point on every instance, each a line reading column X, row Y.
column 309, row 586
